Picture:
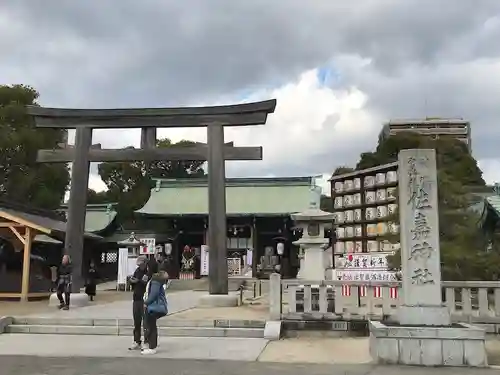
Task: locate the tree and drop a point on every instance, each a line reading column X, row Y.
column 326, row 203
column 94, row 197
column 463, row 254
column 130, row 183
column 21, row 177
column 342, row 170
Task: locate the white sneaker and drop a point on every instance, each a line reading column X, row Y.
column 135, row 346
column 148, row 351
column 144, row 346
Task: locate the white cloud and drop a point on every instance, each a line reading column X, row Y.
column 311, row 122
column 491, row 170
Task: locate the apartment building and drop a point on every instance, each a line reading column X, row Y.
column 434, row 127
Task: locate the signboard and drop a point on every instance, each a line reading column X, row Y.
column 126, row 266
column 204, row 260
column 362, row 261
column 149, row 249
column 368, row 275
column 249, row 257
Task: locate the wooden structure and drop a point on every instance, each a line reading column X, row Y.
column 365, row 205
column 24, row 233
column 22, row 226
column 149, row 119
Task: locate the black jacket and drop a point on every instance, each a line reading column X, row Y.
column 139, row 287
column 64, row 274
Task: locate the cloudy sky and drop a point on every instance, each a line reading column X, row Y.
column 338, row 69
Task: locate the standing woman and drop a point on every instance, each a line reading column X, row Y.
column 64, row 280
column 155, row 306
column 90, row 287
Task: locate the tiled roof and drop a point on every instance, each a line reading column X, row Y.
column 246, row 196
column 494, row 202
column 98, row 216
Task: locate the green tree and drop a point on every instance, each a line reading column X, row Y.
column 130, row 183
column 463, row 254
column 95, row 197
column 21, row 177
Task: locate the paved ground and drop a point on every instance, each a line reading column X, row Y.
column 332, row 351
column 318, row 350
column 8, row 308
column 121, row 309
column 213, row 348
column 134, row 366
column 117, row 305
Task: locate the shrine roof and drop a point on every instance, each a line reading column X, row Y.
column 97, row 217
column 44, row 221
column 494, row 203
column 244, row 196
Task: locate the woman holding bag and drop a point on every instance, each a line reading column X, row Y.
column 155, row 307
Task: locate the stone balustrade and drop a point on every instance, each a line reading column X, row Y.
column 476, row 302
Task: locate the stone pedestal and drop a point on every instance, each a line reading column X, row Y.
column 433, row 315
column 219, row 300
column 314, row 262
column 456, row 345
column 424, row 334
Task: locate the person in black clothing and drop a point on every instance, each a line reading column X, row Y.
column 64, row 280
column 152, row 265
column 139, row 281
column 90, row 286
column 162, row 264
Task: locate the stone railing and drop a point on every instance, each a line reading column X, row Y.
column 468, row 301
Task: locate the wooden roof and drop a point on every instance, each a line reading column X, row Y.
column 43, row 221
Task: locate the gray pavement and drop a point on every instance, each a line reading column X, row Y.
column 213, row 348
column 177, row 301
column 133, row 366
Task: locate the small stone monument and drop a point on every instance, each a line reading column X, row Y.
column 424, row 334
column 314, row 222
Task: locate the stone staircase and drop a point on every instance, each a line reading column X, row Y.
column 124, row 327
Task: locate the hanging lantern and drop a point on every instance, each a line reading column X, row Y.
column 280, row 248
column 168, row 248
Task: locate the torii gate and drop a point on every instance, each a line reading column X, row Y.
column 149, row 119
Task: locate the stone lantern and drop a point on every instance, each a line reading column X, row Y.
column 314, row 223
column 133, row 245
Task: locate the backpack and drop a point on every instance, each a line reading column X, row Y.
column 160, row 306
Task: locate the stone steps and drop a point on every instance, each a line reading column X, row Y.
column 124, row 327
column 127, row 331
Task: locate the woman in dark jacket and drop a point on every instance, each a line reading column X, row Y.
column 155, row 306
column 90, row 286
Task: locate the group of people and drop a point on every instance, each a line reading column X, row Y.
column 148, row 282
column 149, row 301
column 63, row 280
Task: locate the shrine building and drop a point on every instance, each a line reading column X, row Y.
column 258, row 217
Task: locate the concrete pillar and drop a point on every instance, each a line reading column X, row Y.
column 275, row 296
